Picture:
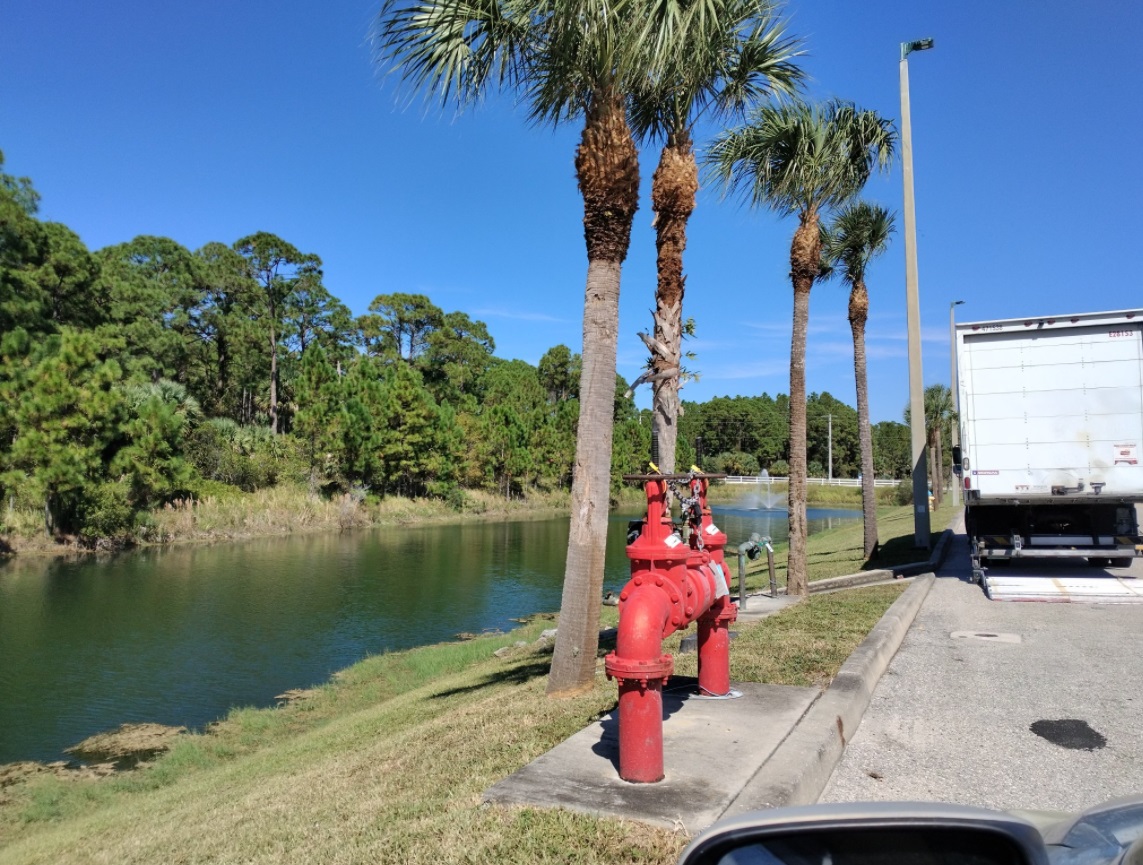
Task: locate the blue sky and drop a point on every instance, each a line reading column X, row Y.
column 210, row 120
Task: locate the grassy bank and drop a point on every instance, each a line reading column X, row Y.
column 839, row 551
column 286, row 509
column 816, row 496
column 387, row 762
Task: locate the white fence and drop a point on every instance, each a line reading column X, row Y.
column 819, row 482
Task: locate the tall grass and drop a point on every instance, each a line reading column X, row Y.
column 286, row 509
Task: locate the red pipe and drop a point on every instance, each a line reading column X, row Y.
column 714, row 626
column 642, row 671
column 714, row 648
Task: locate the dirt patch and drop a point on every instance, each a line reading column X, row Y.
column 127, row 746
column 295, row 695
column 16, row 773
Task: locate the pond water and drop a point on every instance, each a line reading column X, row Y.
column 179, row 635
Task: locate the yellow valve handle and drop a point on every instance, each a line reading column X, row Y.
column 696, row 469
column 654, row 467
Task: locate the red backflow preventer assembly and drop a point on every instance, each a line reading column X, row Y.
column 673, row 583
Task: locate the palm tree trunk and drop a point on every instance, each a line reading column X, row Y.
column 858, row 314
column 607, row 167
column 805, row 255
column 938, row 470
column 673, row 191
column 932, row 467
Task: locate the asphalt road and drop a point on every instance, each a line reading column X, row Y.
column 953, row 718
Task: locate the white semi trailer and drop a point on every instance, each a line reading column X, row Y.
column 1051, row 430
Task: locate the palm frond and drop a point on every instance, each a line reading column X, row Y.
column 857, row 234
column 797, row 158
column 454, row 49
column 703, row 57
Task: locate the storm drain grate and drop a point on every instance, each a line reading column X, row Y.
column 987, row 636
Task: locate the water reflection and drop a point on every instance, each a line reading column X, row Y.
column 739, row 522
column 179, row 635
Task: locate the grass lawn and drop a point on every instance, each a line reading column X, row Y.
column 387, row 762
column 839, row 551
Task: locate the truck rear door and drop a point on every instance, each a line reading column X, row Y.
column 1053, row 408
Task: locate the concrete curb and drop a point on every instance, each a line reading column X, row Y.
column 880, row 575
column 798, row 770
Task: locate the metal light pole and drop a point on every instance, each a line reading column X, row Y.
column 955, row 483
column 912, row 302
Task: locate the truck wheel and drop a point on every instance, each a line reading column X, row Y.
column 1099, row 562
column 1121, row 562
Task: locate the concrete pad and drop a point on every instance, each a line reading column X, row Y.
column 711, row 749
column 759, row 607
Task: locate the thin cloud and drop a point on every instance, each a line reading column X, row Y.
column 760, row 369
column 783, row 327
column 928, row 334
column 519, row 315
column 882, row 352
column 831, row 348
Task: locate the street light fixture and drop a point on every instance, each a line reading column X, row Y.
column 916, row 45
column 954, row 435
column 912, row 303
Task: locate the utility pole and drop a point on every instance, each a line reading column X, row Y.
column 913, row 308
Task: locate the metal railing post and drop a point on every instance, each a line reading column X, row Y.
column 770, row 565
column 741, row 579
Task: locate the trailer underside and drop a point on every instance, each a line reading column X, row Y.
column 1105, row 533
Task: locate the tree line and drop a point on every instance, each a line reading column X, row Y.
column 144, row 372
column 743, row 435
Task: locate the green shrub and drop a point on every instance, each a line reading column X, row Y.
column 903, row 495
column 106, row 513
column 206, row 488
column 249, row 458
column 735, row 463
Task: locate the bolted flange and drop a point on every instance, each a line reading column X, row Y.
column 626, row 669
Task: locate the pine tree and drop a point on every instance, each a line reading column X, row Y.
column 65, row 410
column 409, row 418
column 319, row 420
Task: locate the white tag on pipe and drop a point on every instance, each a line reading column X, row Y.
column 720, row 589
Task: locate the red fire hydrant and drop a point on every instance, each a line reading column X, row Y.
column 673, row 583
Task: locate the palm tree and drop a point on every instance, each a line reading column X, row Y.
column 567, row 59
column 802, row 159
column 736, row 55
column 939, row 415
column 858, row 234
